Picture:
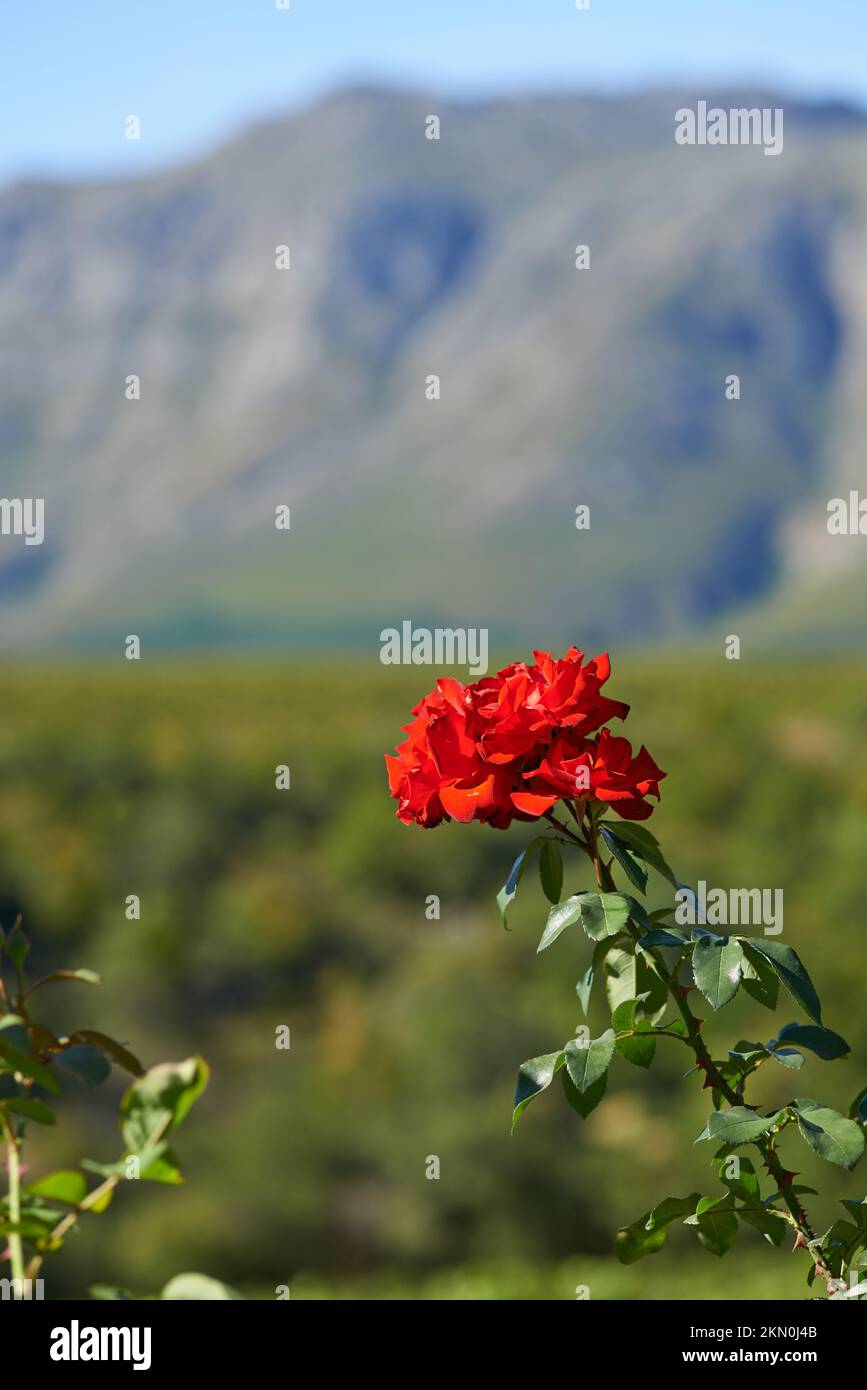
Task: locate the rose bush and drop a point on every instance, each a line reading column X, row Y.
column 530, row 739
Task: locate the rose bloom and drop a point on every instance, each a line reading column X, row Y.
column 510, row 746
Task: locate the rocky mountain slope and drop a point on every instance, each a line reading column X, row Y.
column 559, row 387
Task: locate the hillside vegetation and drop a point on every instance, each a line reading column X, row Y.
column 307, row 908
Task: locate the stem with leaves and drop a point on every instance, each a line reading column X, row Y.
column 622, row 929
column 36, row 1064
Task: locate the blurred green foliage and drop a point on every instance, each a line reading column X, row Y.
column 306, row 908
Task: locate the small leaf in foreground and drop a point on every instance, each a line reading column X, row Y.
column 587, row 1062
column 534, row 1077
column 157, row 1102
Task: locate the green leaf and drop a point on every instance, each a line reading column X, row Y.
column 534, row 1077
column 633, row 1242
column 506, row 895
column 822, row 1041
column 663, row 936
column 13, row 1030
column 670, row 1208
column 39, row 1211
column 66, row 1185
column 716, row 965
column 647, row 1235
column 115, row 1050
column 786, row 1057
column 31, row 1110
column 159, row 1165
column 28, row 1228
column 642, row 843
column 157, row 1102
column 105, row 1170
column 623, row 1017
column 620, row 968
column 603, row 914
column 737, row 1126
column 551, row 870
column 586, row 1063
column 584, row 1102
column 102, row 1203
column 600, row 914
column 835, row 1243
column 87, row 1063
column 27, row 1066
column 746, row 1055
column 197, row 1287
column 640, row 1047
column 857, row 1206
column 828, row 1133
column 716, row 1224
column 791, row 972
column 759, row 978
column 583, row 990
column 601, row 951
column 627, row 977
column 678, row 1026
column 771, row 1224
column 745, row 1185
column 504, row 902
column 113, row 1293
column 17, row 947
column 559, row 918
column 630, row 866
column 639, row 914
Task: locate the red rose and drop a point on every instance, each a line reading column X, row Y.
column 522, row 706
column 597, row 769
column 438, row 773
column 569, row 693
column 509, row 746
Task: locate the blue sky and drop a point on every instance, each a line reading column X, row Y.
column 195, row 71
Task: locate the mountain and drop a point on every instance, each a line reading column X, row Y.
column 560, row 387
